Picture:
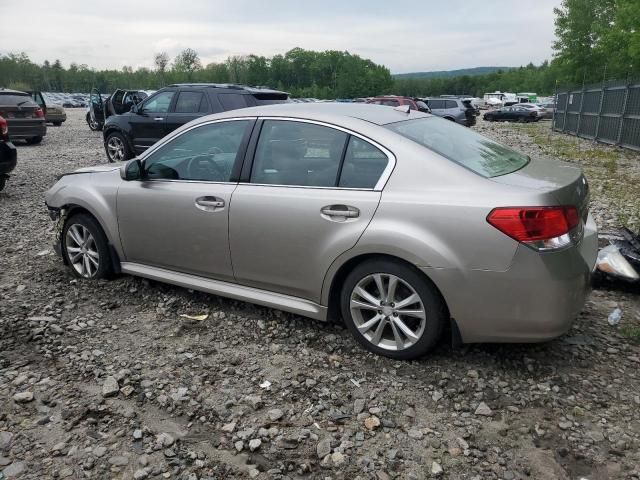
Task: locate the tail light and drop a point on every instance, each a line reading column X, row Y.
column 39, row 113
column 541, row 228
column 4, row 127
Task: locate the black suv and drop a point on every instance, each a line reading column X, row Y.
column 133, row 132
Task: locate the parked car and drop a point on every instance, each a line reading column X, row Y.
column 24, row 117
column 399, row 222
column 8, row 154
column 53, row 112
column 549, row 109
column 117, row 103
column 511, row 114
column 533, row 107
column 396, row 101
column 131, row 133
column 454, row 109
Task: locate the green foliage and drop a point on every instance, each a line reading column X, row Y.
column 330, row 74
column 452, row 73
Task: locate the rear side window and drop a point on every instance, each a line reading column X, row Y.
column 188, row 102
column 450, row 104
column 461, row 145
column 297, row 153
column 232, row 101
column 363, row 165
column 436, row 104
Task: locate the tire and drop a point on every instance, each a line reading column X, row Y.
column 34, row 140
column 96, row 262
column 57, row 124
column 3, row 182
column 117, row 148
column 393, row 342
column 93, row 126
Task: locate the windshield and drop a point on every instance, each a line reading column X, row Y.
column 461, row 145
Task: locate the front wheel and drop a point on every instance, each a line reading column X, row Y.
column 392, row 310
column 117, row 148
column 57, row 124
column 85, row 247
column 93, row 125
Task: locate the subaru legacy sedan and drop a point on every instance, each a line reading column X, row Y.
column 397, row 222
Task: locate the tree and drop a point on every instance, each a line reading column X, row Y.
column 187, row 62
column 161, row 60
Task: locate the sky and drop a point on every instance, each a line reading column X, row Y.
column 404, row 35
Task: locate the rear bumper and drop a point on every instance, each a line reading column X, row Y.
column 8, row 157
column 535, row 300
column 56, row 117
column 21, row 129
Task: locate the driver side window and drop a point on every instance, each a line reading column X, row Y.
column 206, row 153
column 158, row 103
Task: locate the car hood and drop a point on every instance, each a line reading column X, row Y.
column 98, row 169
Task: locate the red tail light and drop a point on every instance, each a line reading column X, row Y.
column 539, row 227
column 4, row 128
column 38, row 113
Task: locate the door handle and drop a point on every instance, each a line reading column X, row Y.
column 209, row 204
column 158, row 119
column 344, row 211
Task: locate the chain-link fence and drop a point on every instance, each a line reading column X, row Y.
column 608, row 113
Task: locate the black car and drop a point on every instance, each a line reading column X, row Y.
column 24, row 117
column 8, row 154
column 511, row 114
column 131, row 133
column 117, row 103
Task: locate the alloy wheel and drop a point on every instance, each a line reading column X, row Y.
column 387, row 311
column 115, row 149
column 82, row 250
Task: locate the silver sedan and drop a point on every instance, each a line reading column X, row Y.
column 396, row 222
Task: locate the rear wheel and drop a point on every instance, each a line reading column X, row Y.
column 34, row 140
column 3, row 182
column 57, row 124
column 117, row 148
column 85, row 247
column 93, row 125
column 392, row 310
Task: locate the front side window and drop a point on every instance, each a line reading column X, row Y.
column 461, row 145
column 158, row 103
column 188, row 102
column 297, row 153
column 206, row 153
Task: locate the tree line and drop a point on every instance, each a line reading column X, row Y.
column 596, row 40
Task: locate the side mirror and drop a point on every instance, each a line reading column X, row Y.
column 131, row 170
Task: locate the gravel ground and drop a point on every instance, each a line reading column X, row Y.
column 107, row 380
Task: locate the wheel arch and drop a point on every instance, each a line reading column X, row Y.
column 331, row 292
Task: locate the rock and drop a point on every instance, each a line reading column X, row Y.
column 110, row 387
column 141, row 474
column 119, row 461
column 5, row 440
column 23, row 397
column 255, row 444
column 239, row 445
column 436, row 468
column 565, row 425
column 372, row 422
column 99, row 451
column 164, row 440
column 228, row 427
column 437, row 395
column 323, row 448
column 484, row 410
column 275, row 414
column 338, row 459
column 14, row 470
column 137, row 434
column 415, row 434
column 358, row 405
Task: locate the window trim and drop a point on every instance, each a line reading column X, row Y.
column 240, row 156
column 250, row 156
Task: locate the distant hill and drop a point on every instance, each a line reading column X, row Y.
column 452, row 73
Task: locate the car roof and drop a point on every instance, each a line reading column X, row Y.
column 12, row 92
column 331, row 111
column 229, row 86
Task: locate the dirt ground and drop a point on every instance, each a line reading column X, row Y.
column 106, row 380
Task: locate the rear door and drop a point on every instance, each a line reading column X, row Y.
column 96, row 107
column 306, row 198
column 148, row 123
column 189, row 105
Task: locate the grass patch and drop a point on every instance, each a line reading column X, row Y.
column 631, row 332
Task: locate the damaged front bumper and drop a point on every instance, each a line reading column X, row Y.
column 58, row 215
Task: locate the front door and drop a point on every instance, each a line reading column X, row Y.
column 177, row 216
column 189, row 105
column 313, row 190
column 148, row 122
column 96, row 108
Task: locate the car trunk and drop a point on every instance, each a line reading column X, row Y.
column 562, row 183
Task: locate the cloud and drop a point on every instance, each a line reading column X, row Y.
column 407, row 35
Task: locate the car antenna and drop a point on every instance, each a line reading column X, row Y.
column 403, row 108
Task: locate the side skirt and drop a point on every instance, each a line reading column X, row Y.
column 265, row 298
